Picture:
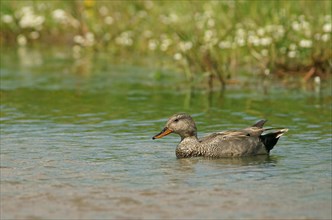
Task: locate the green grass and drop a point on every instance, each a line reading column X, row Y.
column 210, row 40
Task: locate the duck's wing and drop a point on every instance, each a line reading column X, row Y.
column 250, row 131
column 254, row 130
column 233, row 143
column 215, row 135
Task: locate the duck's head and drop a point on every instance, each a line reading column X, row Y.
column 181, row 124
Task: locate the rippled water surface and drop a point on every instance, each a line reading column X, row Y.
column 76, row 143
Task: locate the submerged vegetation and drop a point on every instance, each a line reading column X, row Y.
column 210, row 40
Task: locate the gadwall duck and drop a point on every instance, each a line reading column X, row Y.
column 246, row 142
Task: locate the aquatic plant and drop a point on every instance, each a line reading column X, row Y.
column 208, row 40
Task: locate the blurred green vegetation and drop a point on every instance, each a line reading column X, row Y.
column 207, row 40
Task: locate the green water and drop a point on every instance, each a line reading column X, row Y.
column 76, row 143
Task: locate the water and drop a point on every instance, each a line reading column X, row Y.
column 76, row 144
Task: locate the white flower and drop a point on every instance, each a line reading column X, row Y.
column 21, row 40
column 172, row 18
column 152, row 44
column 267, row 72
column 31, row 21
column 103, row 10
column 24, row 10
column 28, row 19
column 184, row 46
column 305, row 43
column 79, row 39
column 89, row 39
column 327, row 27
column 325, row 37
column 295, row 26
column 208, row 35
column 260, row 32
column 165, row 43
column 225, row 44
column 240, row 41
column 305, row 25
column 301, row 25
column 279, row 31
column 108, row 20
column 59, row 15
column 177, row 56
column 240, row 32
column 62, row 17
column 125, row 39
column 253, row 39
column 213, row 42
column 7, row 19
column 265, row 41
column 292, row 54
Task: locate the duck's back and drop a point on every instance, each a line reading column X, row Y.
column 244, row 142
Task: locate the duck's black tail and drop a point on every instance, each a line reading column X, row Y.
column 271, row 139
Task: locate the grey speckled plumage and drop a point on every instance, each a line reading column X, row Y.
column 246, row 142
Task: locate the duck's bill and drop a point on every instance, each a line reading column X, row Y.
column 164, row 132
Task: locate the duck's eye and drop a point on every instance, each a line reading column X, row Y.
column 176, row 120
